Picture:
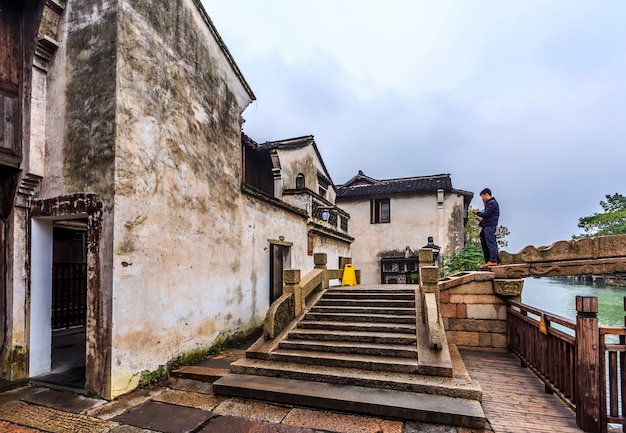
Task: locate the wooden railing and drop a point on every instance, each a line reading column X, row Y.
column 613, row 369
column 575, row 360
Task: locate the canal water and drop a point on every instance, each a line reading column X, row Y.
column 558, row 296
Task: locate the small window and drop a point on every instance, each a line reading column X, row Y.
column 300, row 181
column 381, row 210
column 344, row 223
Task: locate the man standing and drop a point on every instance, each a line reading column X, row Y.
column 489, row 224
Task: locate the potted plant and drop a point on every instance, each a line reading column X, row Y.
column 414, row 277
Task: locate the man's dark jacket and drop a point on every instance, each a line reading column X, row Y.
column 490, row 214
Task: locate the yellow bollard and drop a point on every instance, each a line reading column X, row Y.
column 349, row 276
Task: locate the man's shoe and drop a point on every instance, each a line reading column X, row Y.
column 491, row 264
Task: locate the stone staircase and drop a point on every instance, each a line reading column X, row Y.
column 358, row 349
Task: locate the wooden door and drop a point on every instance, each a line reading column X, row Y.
column 279, row 261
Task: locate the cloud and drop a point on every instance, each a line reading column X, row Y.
column 525, row 97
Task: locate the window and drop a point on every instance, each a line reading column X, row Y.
column 344, row 223
column 380, row 210
column 300, row 181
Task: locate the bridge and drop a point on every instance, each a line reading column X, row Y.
column 438, row 351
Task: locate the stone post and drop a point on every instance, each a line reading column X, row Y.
column 292, row 285
column 320, row 260
column 587, row 364
column 425, row 257
column 429, row 278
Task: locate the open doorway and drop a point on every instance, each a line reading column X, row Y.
column 280, row 259
column 70, row 212
column 68, row 306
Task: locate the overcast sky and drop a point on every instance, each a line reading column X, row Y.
column 525, row 97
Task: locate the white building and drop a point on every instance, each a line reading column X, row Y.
column 392, row 218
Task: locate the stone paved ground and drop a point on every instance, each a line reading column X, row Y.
column 180, row 405
column 6, row 427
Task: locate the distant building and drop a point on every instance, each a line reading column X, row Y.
column 392, row 218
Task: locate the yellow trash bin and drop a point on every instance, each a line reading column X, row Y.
column 349, row 276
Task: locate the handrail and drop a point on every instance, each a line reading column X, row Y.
column 429, row 298
column 563, row 321
column 583, row 369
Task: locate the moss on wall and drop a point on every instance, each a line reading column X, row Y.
column 89, row 142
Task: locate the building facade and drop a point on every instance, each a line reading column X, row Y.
column 392, row 219
column 123, row 165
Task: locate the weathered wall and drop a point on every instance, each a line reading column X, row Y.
column 454, row 227
column 302, row 160
column 262, row 222
column 413, row 219
column 334, row 249
column 178, row 279
column 80, row 146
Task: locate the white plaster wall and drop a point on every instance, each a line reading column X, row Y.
column 40, row 355
column 333, row 248
column 302, row 160
column 179, row 278
column 413, row 220
column 262, row 222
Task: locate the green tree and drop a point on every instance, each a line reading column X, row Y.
column 470, row 257
column 610, row 222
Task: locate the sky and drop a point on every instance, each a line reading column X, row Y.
column 526, row 97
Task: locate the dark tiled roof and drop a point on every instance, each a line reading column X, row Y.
column 290, row 143
column 365, row 186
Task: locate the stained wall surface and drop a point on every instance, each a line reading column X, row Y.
column 147, row 114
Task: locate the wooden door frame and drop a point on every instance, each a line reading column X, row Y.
column 98, row 327
column 285, row 246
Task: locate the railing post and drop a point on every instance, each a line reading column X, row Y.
column 587, row 364
column 291, row 278
column 622, row 365
column 320, row 260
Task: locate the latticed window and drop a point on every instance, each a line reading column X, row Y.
column 344, row 223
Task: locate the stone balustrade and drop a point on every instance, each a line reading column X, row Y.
column 429, row 296
column 297, row 290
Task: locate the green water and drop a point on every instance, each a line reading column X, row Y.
column 558, row 296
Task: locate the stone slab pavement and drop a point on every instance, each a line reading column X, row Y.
column 183, row 405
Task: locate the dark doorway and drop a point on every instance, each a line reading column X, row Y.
column 69, row 305
column 280, row 260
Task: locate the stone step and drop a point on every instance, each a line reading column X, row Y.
column 358, row 336
column 397, row 350
column 409, row 296
column 366, row 289
column 398, row 311
column 375, row 402
column 346, row 360
column 402, row 328
column 355, row 317
column 368, row 303
column 459, row 385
